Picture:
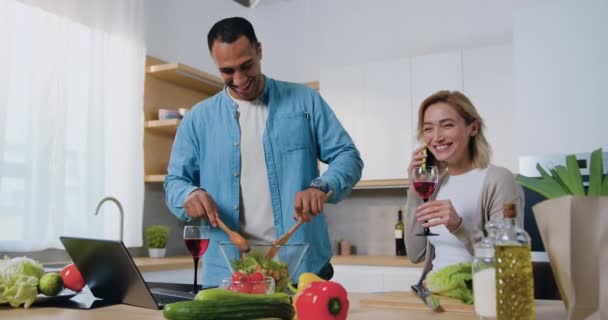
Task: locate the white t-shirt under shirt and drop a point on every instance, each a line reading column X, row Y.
column 464, row 191
column 256, row 220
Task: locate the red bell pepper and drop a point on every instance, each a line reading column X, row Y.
column 326, row 300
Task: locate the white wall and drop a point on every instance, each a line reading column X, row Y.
column 561, row 68
column 301, row 37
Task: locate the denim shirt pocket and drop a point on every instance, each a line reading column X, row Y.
column 294, row 131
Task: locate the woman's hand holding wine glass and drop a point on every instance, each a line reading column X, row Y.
column 424, row 179
column 438, row 212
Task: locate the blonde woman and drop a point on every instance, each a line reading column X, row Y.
column 470, row 191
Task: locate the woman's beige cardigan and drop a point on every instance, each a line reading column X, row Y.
column 499, row 187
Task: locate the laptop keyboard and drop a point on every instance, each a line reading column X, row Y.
column 165, row 296
column 162, row 299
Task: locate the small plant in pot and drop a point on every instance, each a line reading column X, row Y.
column 157, row 236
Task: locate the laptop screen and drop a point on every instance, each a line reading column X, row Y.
column 109, row 271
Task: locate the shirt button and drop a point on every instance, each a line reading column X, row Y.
column 236, row 207
column 236, row 174
column 236, row 144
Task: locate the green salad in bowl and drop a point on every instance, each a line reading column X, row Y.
column 281, row 267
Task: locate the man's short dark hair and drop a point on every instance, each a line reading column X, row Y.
column 229, row 30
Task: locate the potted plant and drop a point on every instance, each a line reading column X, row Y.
column 157, row 236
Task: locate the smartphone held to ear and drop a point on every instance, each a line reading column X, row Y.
column 429, row 157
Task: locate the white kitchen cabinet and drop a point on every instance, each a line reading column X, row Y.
column 489, row 83
column 375, row 279
column 387, row 141
column 378, row 103
column 431, row 73
column 342, row 88
column 373, row 103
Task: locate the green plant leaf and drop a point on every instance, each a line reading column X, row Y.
column 574, row 176
column 604, row 191
column 570, row 183
column 548, row 188
column 561, row 179
column 555, row 181
column 596, row 171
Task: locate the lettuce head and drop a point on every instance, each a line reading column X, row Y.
column 19, row 281
column 452, row 281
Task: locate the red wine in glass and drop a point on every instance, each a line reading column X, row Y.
column 196, row 247
column 196, row 239
column 424, row 180
column 425, row 189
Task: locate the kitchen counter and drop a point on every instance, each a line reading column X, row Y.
column 144, row 264
column 185, row 262
column 545, row 310
column 375, row 261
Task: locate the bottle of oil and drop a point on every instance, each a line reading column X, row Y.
column 513, row 263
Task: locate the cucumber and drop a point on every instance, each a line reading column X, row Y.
column 217, row 294
column 201, row 310
column 223, row 304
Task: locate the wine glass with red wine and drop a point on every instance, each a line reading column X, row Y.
column 425, row 180
column 196, row 239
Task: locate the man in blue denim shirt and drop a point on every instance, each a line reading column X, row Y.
column 249, row 156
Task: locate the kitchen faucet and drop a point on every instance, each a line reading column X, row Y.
column 122, row 215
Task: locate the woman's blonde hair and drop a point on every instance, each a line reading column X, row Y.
column 479, row 149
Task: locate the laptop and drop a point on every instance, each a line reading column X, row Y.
column 111, row 275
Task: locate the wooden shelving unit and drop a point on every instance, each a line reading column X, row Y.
column 169, row 86
column 185, row 76
column 383, row 184
column 155, row 178
column 315, row 85
column 162, row 126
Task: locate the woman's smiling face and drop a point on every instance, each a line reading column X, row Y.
column 447, row 135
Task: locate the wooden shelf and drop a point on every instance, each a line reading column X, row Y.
column 186, row 77
column 155, row 178
column 315, row 85
column 383, row 184
column 164, row 126
column 367, row 184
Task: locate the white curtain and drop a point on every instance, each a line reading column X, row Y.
column 71, row 125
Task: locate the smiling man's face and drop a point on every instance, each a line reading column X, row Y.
column 240, row 68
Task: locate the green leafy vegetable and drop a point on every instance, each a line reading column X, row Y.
column 574, row 176
column 257, row 262
column 595, row 174
column 565, row 180
column 452, row 281
column 19, row 281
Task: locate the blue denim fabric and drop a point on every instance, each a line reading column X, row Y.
column 301, row 129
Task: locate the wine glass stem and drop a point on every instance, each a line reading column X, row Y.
column 195, row 286
column 427, row 230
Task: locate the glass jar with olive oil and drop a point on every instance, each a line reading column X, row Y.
column 513, row 265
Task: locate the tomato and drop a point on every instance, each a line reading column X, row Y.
column 255, row 277
column 239, row 276
column 241, row 287
column 259, row 288
column 72, row 279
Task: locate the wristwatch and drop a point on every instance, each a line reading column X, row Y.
column 320, row 184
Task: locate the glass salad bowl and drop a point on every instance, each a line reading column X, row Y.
column 281, row 267
column 243, row 284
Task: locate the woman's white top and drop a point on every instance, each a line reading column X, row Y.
column 464, row 192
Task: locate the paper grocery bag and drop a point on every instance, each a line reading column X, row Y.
column 573, row 229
